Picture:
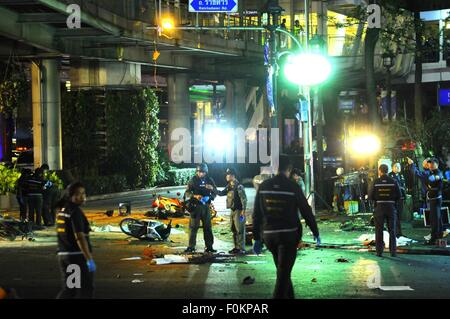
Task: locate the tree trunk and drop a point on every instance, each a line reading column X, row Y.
column 370, row 42
column 418, row 73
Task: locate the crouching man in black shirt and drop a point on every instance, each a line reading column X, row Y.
column 74, row 247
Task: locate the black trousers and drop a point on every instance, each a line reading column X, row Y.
column 283, row 247
column 35, row 208
column 22, row 200
column 435, row 218
column 385, row 212
column 201, row 213
column 48, row 206
column 399, row 207
column 86, row 280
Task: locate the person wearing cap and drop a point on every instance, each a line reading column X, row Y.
column 385, row 193
column 202, row 190
column 237, row 202
column 276, row 219
column 296, row 176
column 422, row 175
column 396, row 174
column 434, row 200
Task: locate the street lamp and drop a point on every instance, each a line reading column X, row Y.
column 388, row 63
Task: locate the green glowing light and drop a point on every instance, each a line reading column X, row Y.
column 307, row 69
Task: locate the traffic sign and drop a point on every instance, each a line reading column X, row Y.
column 213, row 5
column 444, row 97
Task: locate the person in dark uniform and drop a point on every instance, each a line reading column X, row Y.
column 22, row 192
column 434, row 199
column 385, row 192
column 396, row 174
column 50, row 197
column 423, row 176
column 74, row 246
column 35, row 186
column 201, row 189
column 237, row 202
column 276, row 219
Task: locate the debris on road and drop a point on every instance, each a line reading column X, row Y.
column 252, row 262
column 137, row 281
column 132, row 258
column 170, row 259
column 342, row 260
column 369, row 239
column 248, row 280
column 106, row 229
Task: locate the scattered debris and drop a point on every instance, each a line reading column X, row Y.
column 106, row 229
column 170, row 259
column 132, row 258
column 252, row 262
column 342, row 260
column 314, row 280
column 395, row 288
column 117, row 276
column 369, row 239
column 177, row 231
column 356, row 225
column 248, row 280
column 138, row 274
column 137, row 281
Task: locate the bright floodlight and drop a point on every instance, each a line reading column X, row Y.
column 307, row 69
column 218, row 139
column 167, row 24
column 365, row 145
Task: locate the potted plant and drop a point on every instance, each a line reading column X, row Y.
column 8, row 185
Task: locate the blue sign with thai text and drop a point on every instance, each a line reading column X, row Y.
column 213, row 6
column 444, row 97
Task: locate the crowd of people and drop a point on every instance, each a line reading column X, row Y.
column 37, row 197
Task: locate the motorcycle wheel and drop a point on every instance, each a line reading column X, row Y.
column 133, row 227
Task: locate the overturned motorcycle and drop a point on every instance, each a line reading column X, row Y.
column 166, row 207
column 146, row 229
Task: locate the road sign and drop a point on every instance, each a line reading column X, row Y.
column 213, row 5
column 444, row 97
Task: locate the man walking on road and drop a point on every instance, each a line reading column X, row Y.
column 277, row 221
column 385, row 192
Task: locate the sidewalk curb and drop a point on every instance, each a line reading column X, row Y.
column 135, row 192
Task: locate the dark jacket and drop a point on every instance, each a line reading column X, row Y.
column 277, row 204
column 33, row 185
column 236, row 197
column 422, row 175
column 385, row 190
column 197, row 186
column 435, row 184
column 400, row 181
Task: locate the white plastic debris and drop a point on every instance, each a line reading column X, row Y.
column 402, row 241
column 137, row 281
column 106, row 229
column 171, row 259
column 132, row 258
column 175, row 231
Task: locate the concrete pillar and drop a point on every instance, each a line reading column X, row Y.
column 239, row 100
column 46, row 96
column 179, row 104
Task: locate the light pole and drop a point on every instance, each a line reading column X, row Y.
column 388, row 63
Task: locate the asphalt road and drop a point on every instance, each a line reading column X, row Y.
column 31, row 268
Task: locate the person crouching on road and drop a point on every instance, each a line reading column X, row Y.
column 237, row 202
column 74, row 247
column 385, row 192
column 201, row 189
column 276, row 219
